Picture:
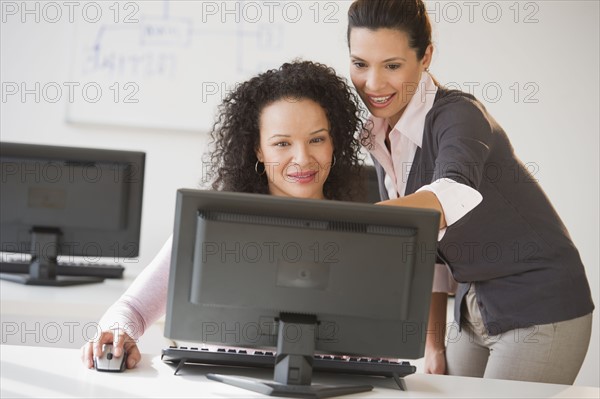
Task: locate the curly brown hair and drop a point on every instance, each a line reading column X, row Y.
column 236, row 136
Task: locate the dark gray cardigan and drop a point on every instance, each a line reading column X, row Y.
column 513, row 245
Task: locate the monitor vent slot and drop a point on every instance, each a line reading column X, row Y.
column 82, row 164
column 391, row 231
column 263, row 220
column 347, row 227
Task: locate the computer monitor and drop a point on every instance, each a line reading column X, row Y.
column 69, row 202
column 300, row 276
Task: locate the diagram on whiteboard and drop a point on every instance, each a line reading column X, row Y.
column 168, row 64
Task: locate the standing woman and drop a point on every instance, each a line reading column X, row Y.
column 523, row 307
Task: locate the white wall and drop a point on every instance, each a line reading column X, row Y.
column 547, row 52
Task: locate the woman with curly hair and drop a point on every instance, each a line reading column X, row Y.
column 288, row 132
column 281, row 104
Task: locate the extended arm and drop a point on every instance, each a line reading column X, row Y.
column 421, row 199
column 140, row 306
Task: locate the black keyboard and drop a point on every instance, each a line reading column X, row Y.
column 255, row 358
column 69, row 269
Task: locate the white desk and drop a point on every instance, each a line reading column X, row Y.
column 57, row 372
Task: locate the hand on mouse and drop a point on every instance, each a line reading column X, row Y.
column 120, row 342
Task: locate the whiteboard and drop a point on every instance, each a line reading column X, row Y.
column 168, row 64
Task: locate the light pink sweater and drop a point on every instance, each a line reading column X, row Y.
column 145, row 300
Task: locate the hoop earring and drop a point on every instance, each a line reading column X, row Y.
column 333, row 163
column 256, row 169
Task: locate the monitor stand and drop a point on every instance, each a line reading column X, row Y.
column 42, row 269
column 293, row 364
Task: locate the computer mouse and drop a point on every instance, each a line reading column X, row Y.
column 108, row 361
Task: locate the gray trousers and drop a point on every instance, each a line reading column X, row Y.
column 550, row 353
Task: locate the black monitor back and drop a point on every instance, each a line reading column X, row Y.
column 91, row 197
column 239, row 261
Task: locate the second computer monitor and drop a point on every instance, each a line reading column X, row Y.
column 69, row 202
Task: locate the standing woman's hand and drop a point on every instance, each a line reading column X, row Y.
column 121, row 342
column 435, row 348
column 435, row 361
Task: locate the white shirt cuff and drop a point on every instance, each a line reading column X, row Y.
column 456, row 199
